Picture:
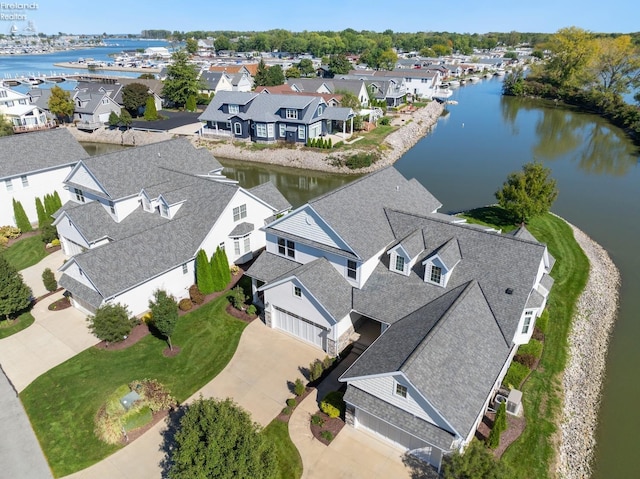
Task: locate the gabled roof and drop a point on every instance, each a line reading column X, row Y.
column 212, row 79
column 268, row 193
column 268, row 267
column 452, row 351
column 36, row 151
column 90, row 101
column 450, row 253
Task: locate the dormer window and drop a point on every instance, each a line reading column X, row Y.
column 320, row 110
column 234, row 109
column 291, row 114
column 436, row 274
column 352, row 269
column 146, row 204
column 399, row 266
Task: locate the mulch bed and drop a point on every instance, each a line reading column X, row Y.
column 171, row 353
column 241, row 315
column 22, row 236
column 137, row 333
column 515, row 427
column 332, row 424
column 210, row 297
column 62, row 303
column 136, row 433
column 285, row 417
column 45, row 296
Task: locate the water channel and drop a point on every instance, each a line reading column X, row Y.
column 467, row 157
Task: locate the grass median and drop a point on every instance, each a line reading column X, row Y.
column 62, row 403
column 25, row 252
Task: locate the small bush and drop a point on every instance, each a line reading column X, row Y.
column 361, row 160
column 533, row 347
column 298, row 387
column 251, row 310
column 155, row 395
column 147, row 318
column 315, row 370
column 327, row 436
column 185, row 304
column 234, row 269
column 196, row 295
column 9, row 232
column 333, row 404
column 291, row 402
column 49, row 233
column 237, row 297
column 286, row 411
column 55, row 242
column 384, row 121
column 528, row 360
column 317, row 420
column 49, row 280
column 515, row 375
column 106, row 429
column 499, row 425
column 339, row 144
column 327, row 362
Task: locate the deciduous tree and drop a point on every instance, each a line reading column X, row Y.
column 616, row 65
column 6, row 128
column 134, row 97
column 476, row 463
column 339, row 65
column 191, row 46
column 15, row 296
column 573, row 50
column 164, row 311
column 306, row 67
column 218, row 439
column 60, row 103
column 111, row 323
column 528, row 193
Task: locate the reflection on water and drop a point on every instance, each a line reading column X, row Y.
column 95, row 149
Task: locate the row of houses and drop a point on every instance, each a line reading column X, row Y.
column 448, row 303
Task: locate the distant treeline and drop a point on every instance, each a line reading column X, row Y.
column 351, row 41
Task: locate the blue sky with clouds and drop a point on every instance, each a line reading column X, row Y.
column 463, row 16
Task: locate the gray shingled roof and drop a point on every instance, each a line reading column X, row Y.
column 241, row 229
column 449, row 253
column 268, row 193
column 547, row 281
column 451, row 350
column 400, row 418
column 124, row 172
column 36, row 151
column 413, row 243
column 536, row 300
column 81, row 291
column 268, row 266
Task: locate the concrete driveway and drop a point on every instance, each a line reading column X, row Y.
column 256, row 378
column 32, row 275
column 54, row 337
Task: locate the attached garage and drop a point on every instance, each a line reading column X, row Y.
column 388, row 431
column 300, row 328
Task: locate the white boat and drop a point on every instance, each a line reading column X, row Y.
column 487, row 75
column 500, row 72
column 473, row 79
column 454, row 83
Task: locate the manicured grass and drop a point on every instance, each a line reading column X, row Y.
column 492, row 216
column 7, row 328
column 288, row 460
column 372, row 139
column 533, row 454
column 25, row 253
column 62, row 403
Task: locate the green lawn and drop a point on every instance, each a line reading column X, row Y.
column 25, row 253
column 62, row 403
column 289, row 462
column 7, row 328
column 372, row 139
column 533, row 454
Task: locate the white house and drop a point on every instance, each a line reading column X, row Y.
column 18, row 110
column 449, row 304
column 138, row 217
column 33, row 165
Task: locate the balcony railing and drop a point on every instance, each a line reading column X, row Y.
column 41, row 126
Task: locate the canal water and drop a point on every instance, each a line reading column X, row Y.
column 465, row 160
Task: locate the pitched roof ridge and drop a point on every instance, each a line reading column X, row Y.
column 348, row 185
column 431, row 333
column 507, row 341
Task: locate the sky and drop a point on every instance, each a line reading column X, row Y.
column 462, row 16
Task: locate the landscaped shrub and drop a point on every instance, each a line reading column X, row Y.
column 327, row 362
column 22, row 221
column 333, row 404
column 361, row 160
column 327, row 436
column 315, row 370
column 291, row 402
column 385, row 120
column 9, row 232
column 528, row 360
column 317, row 420
column 298, row 387
column 48, row 233
column 111, row 323
column 155, row 395
column 55, row 242
column 196, row 295
column 237, row 298
column 533, row 347
column 185, row 304
column 251, row 310
column 43, row 219
column 204, row 279
column 499, row 426
column 515, row 375
column 339, row 144
column 49, row 280
column 287, row 411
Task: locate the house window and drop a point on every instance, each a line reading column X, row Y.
column 79, row 195
column 9, row 103
column 112, row 207
column 237, row 128
column 234, row 109
column 240, row 243
column 3, row 94
column 301, row 132
column 320, row 110
column 283, row 131
column 22, row 102
column 297, row 292
column 401, row 390
column 261, row 130
column 400, row 263
column 164, row 210
column 270, row 130
column 8, row 184
column 286, row 248
column 436, row 274
column 236, row 247
column 247, row 243
column 292, row 114
column 528, row 316
column 185, row 268
column 352, row 269
column 25, row 181
column 105, row 101
column 239, row 212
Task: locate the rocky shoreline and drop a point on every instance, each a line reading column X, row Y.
column 593, row 321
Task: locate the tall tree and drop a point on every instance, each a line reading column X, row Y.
column 260, row 78
column 15, row 296
column 182, row 79
column 528, row 193
column 204, row 279
column 134, row 97
column 218, row 439
column 306, row 67
column 275, row 76
column 150, row 110
column 339, row 65
column 60, row 103
column 191, row 45
column 387, row 59
column 573, row 50
column 164, row 311
column 6, row 128
column 22, row 220
column 43, row 220
column 616, row 65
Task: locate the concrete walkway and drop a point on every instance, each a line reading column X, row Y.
column 32, row 275
column 54, row 337
column 20, row 453
column 256, row 378
column 352, row 454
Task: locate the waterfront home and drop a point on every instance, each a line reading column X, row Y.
column 417, row 82
column 214, row 82
column 16, row 108
column 438, row 306
column 331, row 85
column 137, row 218
column 268, row 118
column 331, row 98
column 34, row 165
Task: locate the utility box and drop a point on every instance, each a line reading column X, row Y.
column 514, row 402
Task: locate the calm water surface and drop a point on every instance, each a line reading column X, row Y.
column 468, row 156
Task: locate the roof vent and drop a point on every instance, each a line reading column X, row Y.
column 509, row 291
column 397, row 188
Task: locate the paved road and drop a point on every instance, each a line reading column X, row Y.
column 20, row 453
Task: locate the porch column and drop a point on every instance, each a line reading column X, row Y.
column 344, row 130
column 254, row 290
column 352, row 125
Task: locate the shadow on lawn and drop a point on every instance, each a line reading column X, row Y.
column 493, row 215
column 168, row 439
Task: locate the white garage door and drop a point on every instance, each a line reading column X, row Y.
column 299, row 327
column 388, row 431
